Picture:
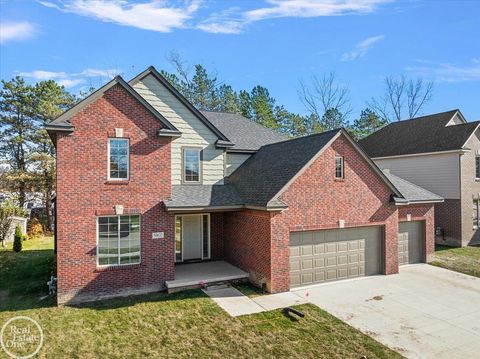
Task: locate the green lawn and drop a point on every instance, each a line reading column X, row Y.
column 465, row 260
column 187, row 324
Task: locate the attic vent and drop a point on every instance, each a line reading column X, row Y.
column 119, row 132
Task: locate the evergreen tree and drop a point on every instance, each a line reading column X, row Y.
column 368, row 123
column 245, row 104
column 332, row 119
column 17, row 241
column 263, row 106
column 228, row 99
column 18, row 127
column 204, row 89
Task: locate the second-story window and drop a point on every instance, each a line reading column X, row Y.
column 339, row 170
column 477, row 166
column 118, row 161
column 191, row 165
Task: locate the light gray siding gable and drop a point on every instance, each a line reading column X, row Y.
column 194, row 132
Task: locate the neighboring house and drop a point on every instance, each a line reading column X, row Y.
column 146, row 184
column 441, row 153
column 16, row 221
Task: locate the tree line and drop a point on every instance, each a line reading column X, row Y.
column 28, row 155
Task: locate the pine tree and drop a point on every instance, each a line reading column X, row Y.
column 368, row 123
column 17, row 241
column 333, row 119
column 263, row 106
column 228, row 99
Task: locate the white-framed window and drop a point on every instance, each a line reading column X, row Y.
column 118, row 240
column 475, row 213
column 191, row 159
column 118, row 159
column 339, row 167
column 477, row 166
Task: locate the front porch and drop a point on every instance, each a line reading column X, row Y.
column 195, row 275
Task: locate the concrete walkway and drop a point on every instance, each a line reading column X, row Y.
column 232, row 300
column 235, row 303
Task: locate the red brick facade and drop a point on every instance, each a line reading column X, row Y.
column 448, row 216
column 83, row 192
column 257, row 241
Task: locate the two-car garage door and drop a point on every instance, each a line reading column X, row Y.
column 328, row 255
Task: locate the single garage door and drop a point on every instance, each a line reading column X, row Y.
column 328, row 255
column 410, row 242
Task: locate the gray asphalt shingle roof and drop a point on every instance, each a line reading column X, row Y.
column 411, row 192
column 204, row 196
column 419, row 135
column 264, row 174
column 244, row 133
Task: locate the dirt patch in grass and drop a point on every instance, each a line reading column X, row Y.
column 464, row 260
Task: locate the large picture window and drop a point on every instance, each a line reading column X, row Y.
column 118, row 161
column 191, row 165
column 118, row 240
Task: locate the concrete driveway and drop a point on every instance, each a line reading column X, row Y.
column 423, row 312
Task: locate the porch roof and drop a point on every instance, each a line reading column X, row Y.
column 204, row 196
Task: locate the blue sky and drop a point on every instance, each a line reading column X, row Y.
column 274, row 43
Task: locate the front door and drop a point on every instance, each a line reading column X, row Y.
column 192, row 237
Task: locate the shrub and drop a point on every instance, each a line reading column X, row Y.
column 17, row 242
column 34, row 228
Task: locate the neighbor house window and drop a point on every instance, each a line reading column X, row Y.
column 339, row 170
column 476, row 222
column 191, row 165
column 477, row 166
column 118, row 240
column 118, row 162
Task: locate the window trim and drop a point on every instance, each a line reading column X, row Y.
column 98, row 240
column 342, row 163
column 201, row 239
column 128, row 159
column 477, row 202
column 477, row 167
column 200, row 165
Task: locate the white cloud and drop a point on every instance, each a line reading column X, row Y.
column 447, row 72
column 12, row 31
column 70, row 80
column 362, row 48
column 150, row 15
column 234, row 22
column 312, row 8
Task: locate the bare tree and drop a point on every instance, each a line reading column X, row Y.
column 402, row 96
column 321, row 94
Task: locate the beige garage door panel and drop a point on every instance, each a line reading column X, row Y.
column 328, row 255
column 410, row 242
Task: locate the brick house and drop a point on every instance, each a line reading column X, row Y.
column 439, row 152
column 153, row 194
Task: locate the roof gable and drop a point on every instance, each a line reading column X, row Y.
column 62, row 123
column 267, row 174
column 223, row 140
column 427, row 134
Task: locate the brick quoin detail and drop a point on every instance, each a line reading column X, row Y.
column 83, row 192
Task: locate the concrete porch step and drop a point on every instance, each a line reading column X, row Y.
column 205, row 274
